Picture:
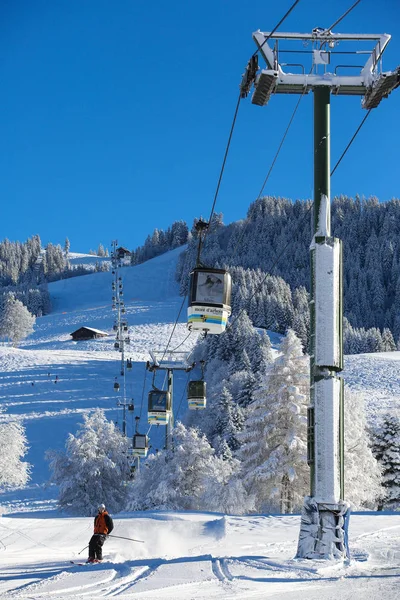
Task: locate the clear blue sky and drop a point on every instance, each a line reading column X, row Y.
column 114, row 115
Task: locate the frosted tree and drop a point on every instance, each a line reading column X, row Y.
column 16, row 322
column 362, row 475
column 100, row 250
column 228, row 419
column 94, row 467
column 67, row 246
column 177, row 479
column 14, row 472
column 387, row 451
column 273, row 451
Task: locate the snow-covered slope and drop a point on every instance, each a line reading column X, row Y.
column 85, row 370
column 187, row 556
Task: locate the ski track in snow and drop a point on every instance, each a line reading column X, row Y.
column 169, row 565
column 187, row 556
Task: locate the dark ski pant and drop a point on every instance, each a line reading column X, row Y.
column 96, row 546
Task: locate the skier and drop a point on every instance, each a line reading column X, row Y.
column 103, row 525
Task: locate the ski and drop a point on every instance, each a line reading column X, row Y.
column 83, row 564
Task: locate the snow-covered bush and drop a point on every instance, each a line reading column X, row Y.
column 14, row 472
column 16, row 322
column 94, row 467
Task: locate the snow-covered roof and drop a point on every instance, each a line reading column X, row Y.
column 90, row 329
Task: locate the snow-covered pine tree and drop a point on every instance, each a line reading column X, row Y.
column 273, row 451
column 228, row 419
column 16, row 322
column 386, row 448
column 94, row 467
column 67, row 247
column 362, row 476
column 176, row 479
column 14, row 472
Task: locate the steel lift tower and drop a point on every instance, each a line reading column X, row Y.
column 331, row 73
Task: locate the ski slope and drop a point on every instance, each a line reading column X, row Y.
column 185, row 555
column 188, row 556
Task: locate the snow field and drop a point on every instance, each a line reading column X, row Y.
column 194, row 556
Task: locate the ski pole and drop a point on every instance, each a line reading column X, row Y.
column 125, row 538
column 83, row 549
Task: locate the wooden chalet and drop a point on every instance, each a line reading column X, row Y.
column 88, row 333
column 123, row 252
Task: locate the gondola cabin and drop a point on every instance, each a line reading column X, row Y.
column 140, row 445
column 159, row 407
column 197, row 395
column 209, row 300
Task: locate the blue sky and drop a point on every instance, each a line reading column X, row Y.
column 114, row 115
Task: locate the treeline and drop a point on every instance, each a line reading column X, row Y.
column 161, row 241
column 274, row 240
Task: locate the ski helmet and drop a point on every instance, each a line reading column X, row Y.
column 102, row 508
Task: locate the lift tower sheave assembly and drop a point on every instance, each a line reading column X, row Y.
column 168, row 361
column 325, row 513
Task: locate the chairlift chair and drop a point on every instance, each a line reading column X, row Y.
column 159, row 407
column 129, row 364
column 116, row 386
column 197, row 395
column 209, row 300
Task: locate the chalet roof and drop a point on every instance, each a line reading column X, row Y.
column 90, row 329
column 121, row 250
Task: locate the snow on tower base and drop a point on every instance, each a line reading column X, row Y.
column 323, row 530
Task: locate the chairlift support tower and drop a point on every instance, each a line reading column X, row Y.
column 120, row 324
column 169, row 362
column 325, row 513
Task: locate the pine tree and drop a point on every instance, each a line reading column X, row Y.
column 67, row 246
column 362, row 477
column 94, row 467
column 13, row 447
column 386, row 449
column 273, row 448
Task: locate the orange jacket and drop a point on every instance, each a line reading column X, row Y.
column 103, row 523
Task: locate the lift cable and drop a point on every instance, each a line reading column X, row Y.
column 174, row 327
column 272, row 164
column 183, row 341
column 343, row 16
column 276, row 27
column 351, row 141
column 144, row 385
column 234, row 122
column 185, row 389
column 308, row 211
